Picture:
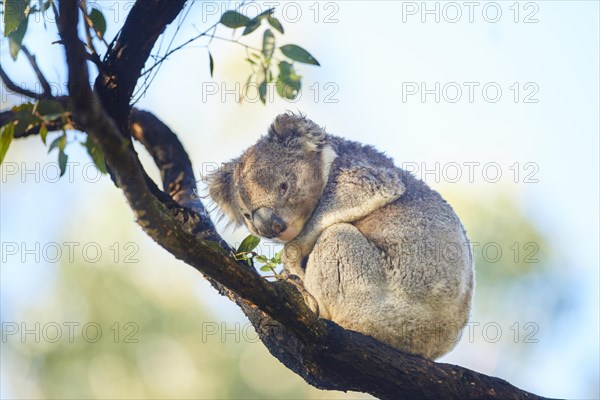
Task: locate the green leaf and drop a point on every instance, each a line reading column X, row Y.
column 262, row 91
column 261, row 259
column 49, row 109
column 288, row 82
column 43, row 132
column 274, row 22
column 15, row 39
column 233, row 19
column 98, row 22
column 277, row 257
column 24, row 117
column 59, row 142
column 287, row 72
column 265, row 268
column 297, row 53
column 97, row 155
column 248, row 244
column 265, row 14
column 268, row 45
column 7, row 133
column 62, row 161
column 15, row 12
column 245, row 88
column 251, row 27
column 288, row 90
column 211, row 64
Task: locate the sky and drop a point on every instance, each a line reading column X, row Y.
column 482, row 98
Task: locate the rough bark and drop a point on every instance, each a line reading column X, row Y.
column 324, row 354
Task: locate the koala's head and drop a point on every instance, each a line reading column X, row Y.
column 274, row 186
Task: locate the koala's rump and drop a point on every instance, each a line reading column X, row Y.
column 424, row 245
column 416, row 253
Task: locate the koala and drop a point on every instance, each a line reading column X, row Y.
column 376, row 249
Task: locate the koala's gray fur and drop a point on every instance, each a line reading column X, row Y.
column 379, row 251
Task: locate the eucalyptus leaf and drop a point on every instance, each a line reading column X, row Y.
column 288, row 82
column 62, row 161
column 43, row 132
column 47, row 107
column 274, row 22
column 7, row 133
column 98, row 22
column 262, row 91
column 15, row 39
column 277, row 257
column 265, row 14
column 97, row 155
column 251, row 27
column 24, row 118
column 211, row 64
column 14, row 14
column 287, row 72
column 288, row 90
column 297, row 53
column 268, row 45
column 248, row 244
column 60, row 143
column 233, row 19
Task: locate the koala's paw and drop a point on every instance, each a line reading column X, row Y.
column 292, row 259
column 308, row 298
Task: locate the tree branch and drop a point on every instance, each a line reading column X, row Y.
column 169, row 155
column 46, row 90
column 320, row 351
column 124, row 62
column 13, row 87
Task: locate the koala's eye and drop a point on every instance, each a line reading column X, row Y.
column 247, row 216
column 283, row 188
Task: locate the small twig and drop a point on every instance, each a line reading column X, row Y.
column 10, row 85
column 163, row 58
column 237, row 42
column 88, row 24
column 47, row 90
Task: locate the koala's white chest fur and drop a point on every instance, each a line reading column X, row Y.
column 380, row 252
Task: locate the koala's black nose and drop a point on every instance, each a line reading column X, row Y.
column 268, row 223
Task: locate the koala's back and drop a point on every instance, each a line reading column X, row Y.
column 415, row 251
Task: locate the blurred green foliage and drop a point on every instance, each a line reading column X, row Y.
column 154, row 343
column 159, row 341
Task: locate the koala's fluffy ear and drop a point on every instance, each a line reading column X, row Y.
column 221, row 190
column 294, row 130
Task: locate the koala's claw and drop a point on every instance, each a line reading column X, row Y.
column 309, row 299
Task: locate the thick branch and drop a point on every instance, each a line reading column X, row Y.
column 168, row 153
